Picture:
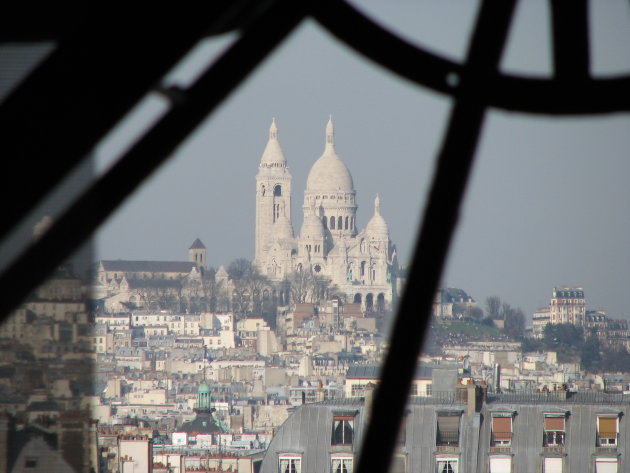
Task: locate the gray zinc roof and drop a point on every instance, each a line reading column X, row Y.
column 148, row 266
column 373, row 371
column 307, row 433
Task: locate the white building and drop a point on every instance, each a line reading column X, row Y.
column 362, row 265
column 567, row 306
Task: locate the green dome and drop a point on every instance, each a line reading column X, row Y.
column 203, row 388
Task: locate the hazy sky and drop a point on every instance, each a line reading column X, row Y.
column 548, row 203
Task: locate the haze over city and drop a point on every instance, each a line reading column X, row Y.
column 548, row 202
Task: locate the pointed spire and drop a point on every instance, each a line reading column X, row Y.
column 330, row 134
column 273, row 155
column 377, row 205
column 273, row 130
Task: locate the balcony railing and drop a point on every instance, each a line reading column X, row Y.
column 554, row 449
column 501, row 449
column 582, row 397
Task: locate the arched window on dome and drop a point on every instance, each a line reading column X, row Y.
column 347, row 221
column 340, row 223
column 277, row 190
column 332, row 223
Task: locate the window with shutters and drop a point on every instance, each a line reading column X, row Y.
column 500, row 464
column 553, row 430
column 341, row 464
column 447, row 464
column 447, row 433
column 342, row 430
column 290, row 464
column 501, row 431
column 607, row 431
column 606, row 465
column 552, row 465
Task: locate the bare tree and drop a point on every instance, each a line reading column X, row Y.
column 515, row 323
column 300, row 285
column 240, row 268
column 247, row 294
column 305, row 286
column 506, row 311
column 493, row 307
column 148, row 297
column 476, row 313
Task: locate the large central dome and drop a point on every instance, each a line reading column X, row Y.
column 329, row 173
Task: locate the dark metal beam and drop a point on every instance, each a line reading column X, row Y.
column 100, row 68
column 438, row 226
column 571, row 50
column 195, row 104
column 507, row 92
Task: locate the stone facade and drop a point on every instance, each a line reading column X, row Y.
column 361, row 264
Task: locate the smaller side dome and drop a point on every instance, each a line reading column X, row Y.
column 282, row 229
column 377, row 227
column 312, row 227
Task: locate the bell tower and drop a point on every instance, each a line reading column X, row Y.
column 273, row 194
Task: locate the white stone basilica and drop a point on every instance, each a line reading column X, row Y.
column 363, row 265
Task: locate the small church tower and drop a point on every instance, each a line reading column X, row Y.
column 204, row 398
column 197, row 254
column 273, row 195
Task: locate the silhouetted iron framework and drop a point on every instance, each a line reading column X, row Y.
column 50, row 115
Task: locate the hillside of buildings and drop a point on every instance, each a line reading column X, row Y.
column 195, row 369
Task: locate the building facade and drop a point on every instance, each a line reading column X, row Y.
column 361, row 264
column 472, row 432
column 567, row 306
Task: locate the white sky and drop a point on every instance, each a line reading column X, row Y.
column 548, row 203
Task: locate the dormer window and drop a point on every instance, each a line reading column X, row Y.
column 447, row 433
column 553, row 430
column 290, row 464
column 607, row 430
column 500, row 464
column 553, row 465
column 342, row 430
column 341, row 464
column 501, row 430
column 446, row 464
column 606, row 464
